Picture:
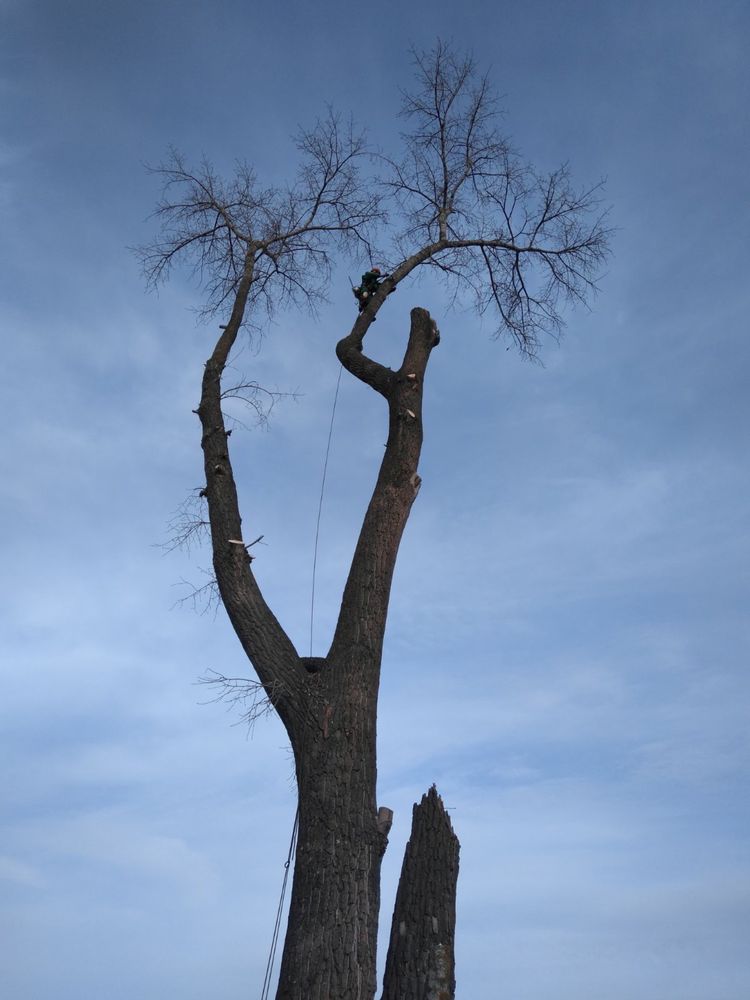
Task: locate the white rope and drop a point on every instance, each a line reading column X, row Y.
column 277, row 925
column 320, row 507
column 292, row 845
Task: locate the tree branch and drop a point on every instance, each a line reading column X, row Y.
column 364, row 604
column 521, row 242
column 266, row 643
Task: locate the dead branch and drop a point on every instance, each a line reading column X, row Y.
column 202, row 599
column 240, row 693
column 188, row 525
column 258, row 400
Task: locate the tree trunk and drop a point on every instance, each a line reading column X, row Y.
column 330, row 947
column 327, row 704
column 420, row 963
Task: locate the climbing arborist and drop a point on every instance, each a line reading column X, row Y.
column 370, row 283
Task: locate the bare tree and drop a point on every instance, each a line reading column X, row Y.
column 522, row 244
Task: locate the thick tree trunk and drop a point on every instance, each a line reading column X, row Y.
column 331, row 940
column 420, row 963
column 330, row 945
column 328, row 705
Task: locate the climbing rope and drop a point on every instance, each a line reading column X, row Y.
column 320, row 507
column 277, row 925
column 295, row 829
column 293, row 842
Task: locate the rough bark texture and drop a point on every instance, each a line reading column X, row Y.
column 330, row 945
column 420, row 963
column 471, row 208
column 329, row 712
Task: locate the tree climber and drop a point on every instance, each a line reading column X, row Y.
column 370, row 284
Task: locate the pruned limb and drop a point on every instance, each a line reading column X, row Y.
column 364, row 605
column 420, row 964
column 350, row 353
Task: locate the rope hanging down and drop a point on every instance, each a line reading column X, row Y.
column 320, row 507
column 277, row 925
column 293, row 843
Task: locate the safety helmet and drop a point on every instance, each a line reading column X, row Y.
column 376, row 270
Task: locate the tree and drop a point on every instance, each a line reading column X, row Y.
column 522, row 244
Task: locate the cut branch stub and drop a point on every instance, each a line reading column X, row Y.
column 420, row 963
column 364, row 606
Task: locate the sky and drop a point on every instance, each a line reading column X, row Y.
column 567, row 650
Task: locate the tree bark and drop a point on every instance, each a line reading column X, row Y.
column 420, row 963
column 330, row 944
column 468, row 207
column 331, row 941
column 329, row 713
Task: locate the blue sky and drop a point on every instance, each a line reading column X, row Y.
column 568, row 647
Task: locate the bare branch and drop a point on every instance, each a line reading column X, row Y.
column 255, row 397
column 204, row 598
column 188, row 525
column 522, row 243
column 239, row 693
column 283, row 235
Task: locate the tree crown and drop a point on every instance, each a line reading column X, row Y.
column 457, row 198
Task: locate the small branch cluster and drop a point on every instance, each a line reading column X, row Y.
column 188, row 525
column 204, row 598
column 282, row 235
column 521, row 242
column 255, row 397
column 252, row 699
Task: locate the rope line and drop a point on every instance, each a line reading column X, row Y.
column 277, row 925
column 320, row 507
column 293, row 843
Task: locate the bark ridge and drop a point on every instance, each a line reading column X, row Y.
column 420, row 963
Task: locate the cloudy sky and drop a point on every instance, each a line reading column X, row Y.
column 567, row 654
